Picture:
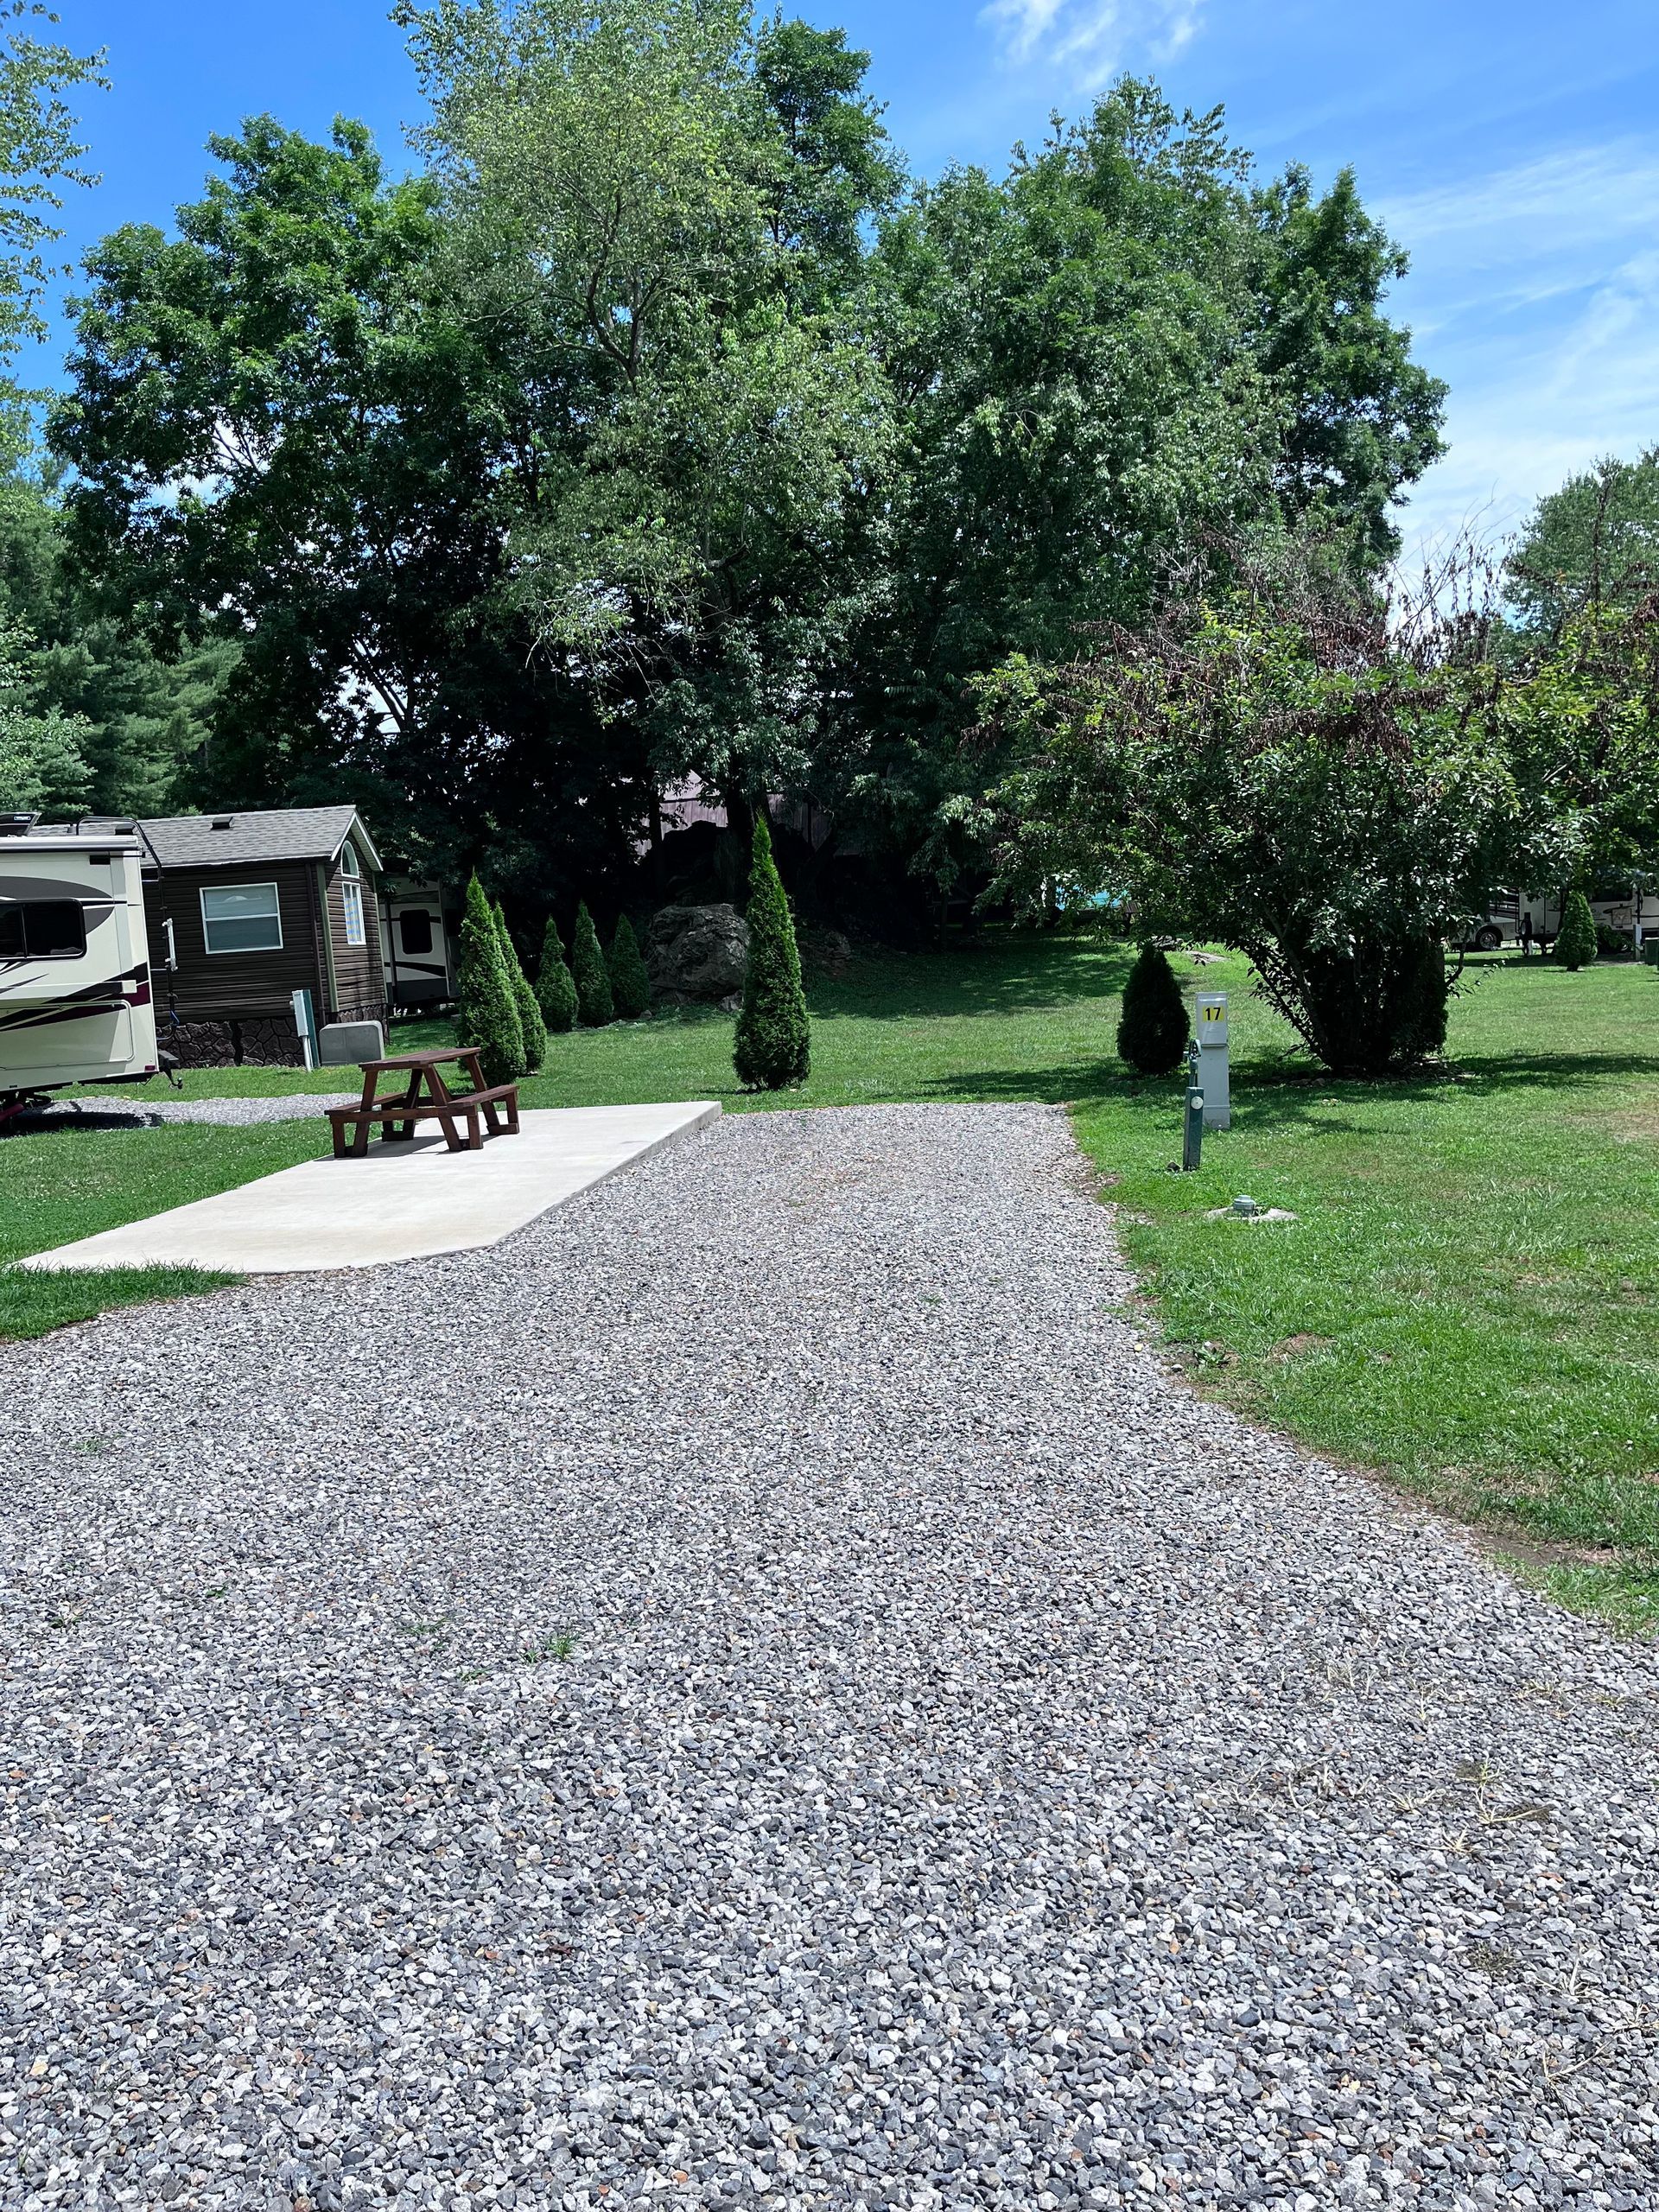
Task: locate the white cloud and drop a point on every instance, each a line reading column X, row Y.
column 1094, row 37
column 1535, row 292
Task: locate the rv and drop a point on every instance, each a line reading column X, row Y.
column 416, row 935
column 1633, row 911
column 74, row 962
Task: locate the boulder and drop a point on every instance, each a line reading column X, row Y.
column 696, row 952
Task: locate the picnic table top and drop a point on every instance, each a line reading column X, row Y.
column 426, row 1059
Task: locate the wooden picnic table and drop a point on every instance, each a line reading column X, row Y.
column 425, row 1096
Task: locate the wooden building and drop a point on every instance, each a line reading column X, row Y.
column 243, row 909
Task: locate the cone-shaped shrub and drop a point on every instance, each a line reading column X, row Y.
column 555, row 987
column 630, row 985
column 1152, row 1033
column 530, row 1014
column 772, row 1047
column 1576, row 945
column 594, row 1005
column 487, row 1013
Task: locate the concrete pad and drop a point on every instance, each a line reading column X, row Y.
column 400, row 1202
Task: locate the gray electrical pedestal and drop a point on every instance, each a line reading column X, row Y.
column 1214, row 1077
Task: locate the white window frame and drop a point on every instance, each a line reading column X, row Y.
column 351, row 895
column 234, row 952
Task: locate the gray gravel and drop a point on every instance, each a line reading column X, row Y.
column 151, row 1113
column 761, row 1690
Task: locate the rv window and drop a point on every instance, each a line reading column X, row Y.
column 415, row 928
column 42, row 929
column 241, row 918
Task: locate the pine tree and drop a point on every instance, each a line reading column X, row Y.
column 630, row 985
column 555, row 987
column 1152, row 1030
column 772, row 1047
column 1575, row 947
column 593, row 1004
column 487, row 1011
column 530, row 1014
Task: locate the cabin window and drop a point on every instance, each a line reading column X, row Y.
column 415, row 928
column 42, row 929
column 351, row 894
column 241, row 918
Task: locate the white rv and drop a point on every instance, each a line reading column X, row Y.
column 1634, row 914
column 414, row 945
column 75, row 1002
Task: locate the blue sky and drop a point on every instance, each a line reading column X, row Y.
column 1513, row 148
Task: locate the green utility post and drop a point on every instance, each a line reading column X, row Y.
column 1192, row 1122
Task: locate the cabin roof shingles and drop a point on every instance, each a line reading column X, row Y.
column 299, row 833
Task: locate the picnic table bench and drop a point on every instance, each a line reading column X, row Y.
column 426, row 1097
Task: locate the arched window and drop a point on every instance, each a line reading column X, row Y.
column 351, row 894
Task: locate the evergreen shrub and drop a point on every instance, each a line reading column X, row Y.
column 486, row 1009
column 1575, row 947
column 773, row 1045
column 595, row 1006
column 630, row 984
column 1152, row 1029
column 555, row 987
column 530, row 1014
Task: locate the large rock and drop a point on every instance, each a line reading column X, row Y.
column 696, row 952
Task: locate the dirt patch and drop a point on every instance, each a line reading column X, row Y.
column 1637, row 1124
column 1291, row 1347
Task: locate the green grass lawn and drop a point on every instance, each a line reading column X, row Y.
column 65, row 1183
column 1468, row 1299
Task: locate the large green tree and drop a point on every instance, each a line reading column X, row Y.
column 143, row 720
column 1595, row 543
column 1102, row 368
column 665, row 205
column 281, row 438
column 660, row 432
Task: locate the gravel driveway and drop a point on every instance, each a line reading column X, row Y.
column 155, row 1113
column 760, row 1690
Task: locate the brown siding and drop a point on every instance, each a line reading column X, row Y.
column 225, row 986
column 360, row 973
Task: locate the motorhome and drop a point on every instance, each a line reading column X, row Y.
column 1632, row 910
column 75, row 1003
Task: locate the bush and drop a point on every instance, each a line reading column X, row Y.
column 630, row 985
column 486, row 1010
column 773, row 1045
column 594, row 1003
column 1296, row 777
column 1614, row 945
column 555, row 987
column 1152, row 1030
column 1575, row 947
column 530, row 1014
column 1421, row 996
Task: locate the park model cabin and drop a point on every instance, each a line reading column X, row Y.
column 250, row 908
column 244, row 909
column 75, row 1002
